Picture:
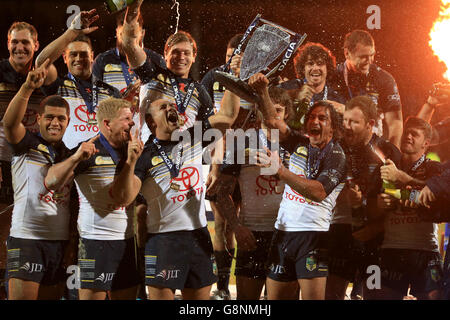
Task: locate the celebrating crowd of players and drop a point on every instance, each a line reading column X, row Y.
column 94, row 173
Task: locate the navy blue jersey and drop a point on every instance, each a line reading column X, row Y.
column 329, row 93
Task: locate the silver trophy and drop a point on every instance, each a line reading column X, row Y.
column 268, row 50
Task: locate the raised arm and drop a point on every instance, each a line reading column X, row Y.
column 12, row 120
column 81, row 24
column 394, row 122
column 136, row 55
column 126, row 185
column 61, row 172
column 260, row 84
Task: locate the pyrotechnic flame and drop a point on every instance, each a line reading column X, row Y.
column 439, row 36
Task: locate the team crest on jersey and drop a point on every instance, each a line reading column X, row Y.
column 103, row 160
column 302, row 151
column 435, row 275
column 43, row 148
column 69, row 83
column 112, row 68
column 311, row 263
column 156, row 160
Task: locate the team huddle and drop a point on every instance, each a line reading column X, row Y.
column 94, row 173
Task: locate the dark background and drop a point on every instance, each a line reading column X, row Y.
column 401, row 43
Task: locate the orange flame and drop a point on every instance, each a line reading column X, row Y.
column 439, row 36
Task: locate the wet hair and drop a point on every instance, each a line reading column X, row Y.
column 358, row 36
column 280, row 96
column 366, row 105
column 418, row 123
column 336, row 120
column 54, row 101
column 315, row 51
column 21, row 25
column 180, row 36
column 234, row 42
column 108, row 108
column 83, row 38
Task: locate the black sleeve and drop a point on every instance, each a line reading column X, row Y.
column 333, row 170
column 208, row 83
column 206, row 104
column 389, row 95
column 440, row 185
column 98, row 68
column 144, row 163
column 145, row 72
column 52, row 88
column 28, row 141
column 291, row 142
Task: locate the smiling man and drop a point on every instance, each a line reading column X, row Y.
column 40, row 221
column 78, row 87
column 172, row 77
column 22, row 45
column 106, row 256
column 313, row 181
column 358, row 75
column 315, row 66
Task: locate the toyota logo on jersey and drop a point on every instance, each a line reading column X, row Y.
column 187, row 179
column 82, row 114
column 267, row 185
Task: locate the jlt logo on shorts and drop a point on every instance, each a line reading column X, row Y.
column 32, row 267
column 105, row 277
column 168, row 274
column 277, row 269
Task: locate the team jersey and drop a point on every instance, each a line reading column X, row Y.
column 363, row 166
column 298, row 213
column 173, row 203
column 378, row 84
column 10, row 83
column 113, row 69
column 328, row 93
column 155, row 76
column 216, row 90
column 38, row 213
column 99, row 218
column 261, row 194
column 79, row 128
column 403, row 228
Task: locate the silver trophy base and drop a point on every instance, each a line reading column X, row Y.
column 237, row 86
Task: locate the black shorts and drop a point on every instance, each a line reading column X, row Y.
column 341, row 254
column 36, row 260
column 6, row 190
column 180, row 259
column 298, row 255
column 401, row 268
column 107, row 264
column 253, row 264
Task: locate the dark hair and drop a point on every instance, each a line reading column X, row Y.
column 281, row 96
column 315, row 51
column 336, row 120
column 83, row 38
column 120, row 18
column 54, row 101
column 234, row 42
column 366, row 105
column 418, row 123
column 180, row 36
column 358, row 36
column 21, row 25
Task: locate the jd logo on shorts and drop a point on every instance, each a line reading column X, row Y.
column 32, row 267
column 105, row 277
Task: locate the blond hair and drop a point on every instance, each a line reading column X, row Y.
column 109, row 108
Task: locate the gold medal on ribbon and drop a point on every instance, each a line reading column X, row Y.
column 174, row 186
